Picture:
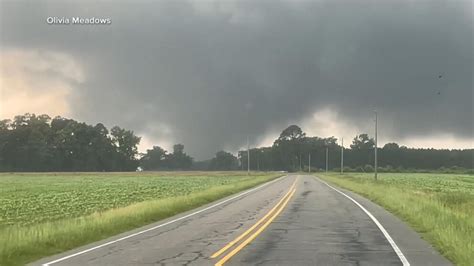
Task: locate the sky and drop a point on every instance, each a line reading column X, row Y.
column 210, row 73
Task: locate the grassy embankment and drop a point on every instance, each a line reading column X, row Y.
column 439, row 206
column 44, row 214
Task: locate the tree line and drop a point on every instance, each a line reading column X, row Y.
column 294, row 151
column 41, row 143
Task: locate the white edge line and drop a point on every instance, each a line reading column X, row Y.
column 397, row 250
column 160, row 225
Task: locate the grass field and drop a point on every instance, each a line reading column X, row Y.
column 439, row 206
column 43, row 214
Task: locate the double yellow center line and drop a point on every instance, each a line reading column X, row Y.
column 257, row 228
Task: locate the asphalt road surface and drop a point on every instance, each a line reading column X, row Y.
column 295, row 220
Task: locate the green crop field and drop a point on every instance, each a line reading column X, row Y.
column 46, row 213
column 439, row 206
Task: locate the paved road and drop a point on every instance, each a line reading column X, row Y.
column 316, row 226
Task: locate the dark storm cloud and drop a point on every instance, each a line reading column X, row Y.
column 213, row 72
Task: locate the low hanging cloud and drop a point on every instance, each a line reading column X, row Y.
column 209, row 73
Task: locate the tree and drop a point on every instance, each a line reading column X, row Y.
column 154, row 159
column 178, row 160
column 391, row 146
column 224, row 161
column 288, row 148
column 363, row 142
column 5, row 130
column 291, row 133
column 126, row 143
column 178, row 149
column 159, row 159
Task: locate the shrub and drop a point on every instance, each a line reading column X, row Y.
column 368, row 168
column 348, row 169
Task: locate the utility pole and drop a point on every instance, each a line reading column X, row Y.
column 309, row 163
column 248, row 156
column 342, row 156
column 375, row 151
column 327, row 159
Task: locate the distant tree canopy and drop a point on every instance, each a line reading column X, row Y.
column 363, row 142
column 39, row 143
column 291, row 152
column 224, row 161
column 153, row 159
column 291, row 133
column 158, row 159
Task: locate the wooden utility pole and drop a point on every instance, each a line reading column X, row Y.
column 327, row 154
column 375, row 151
column 248, row 156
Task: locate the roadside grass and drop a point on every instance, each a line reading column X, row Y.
column 32, row 198
column 438, row 206
column 21, row 244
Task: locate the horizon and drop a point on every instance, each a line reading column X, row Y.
column 268, row 143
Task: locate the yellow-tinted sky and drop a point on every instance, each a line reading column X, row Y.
column 36, row 82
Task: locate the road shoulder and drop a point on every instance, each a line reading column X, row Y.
column 416, row 250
